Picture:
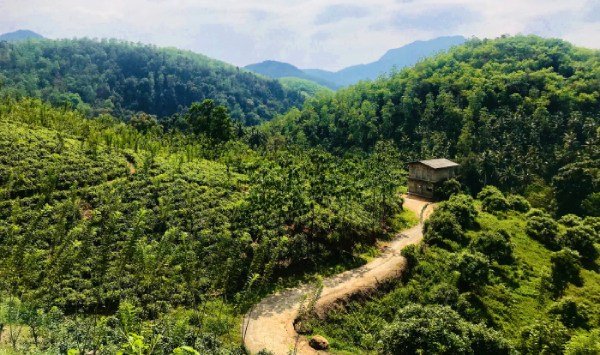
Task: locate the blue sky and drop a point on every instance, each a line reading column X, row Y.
column 310, row 34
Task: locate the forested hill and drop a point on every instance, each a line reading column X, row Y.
column 120, row 78
column 511, row 110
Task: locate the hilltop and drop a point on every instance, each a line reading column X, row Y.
column 278, row 70
column 20, row 35
column 122, row 78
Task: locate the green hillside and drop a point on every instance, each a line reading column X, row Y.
column 138, row 217
column 278, row 70
column 483, row 282
column 168, row 236
column 121, row 78
column 305, row 87
column 513, row 111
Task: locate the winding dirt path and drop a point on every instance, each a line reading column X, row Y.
column 269, row 325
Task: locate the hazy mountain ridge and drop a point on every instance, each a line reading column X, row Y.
column 277, row 70
column 20, row 35
column 397, row 58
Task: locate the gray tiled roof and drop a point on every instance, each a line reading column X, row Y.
column 438, row 163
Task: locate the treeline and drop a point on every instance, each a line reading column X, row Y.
column 513, row 111
column 96, row 213
column 121, row 78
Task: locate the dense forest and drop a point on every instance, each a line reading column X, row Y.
column 122, row 78
column 516, row 112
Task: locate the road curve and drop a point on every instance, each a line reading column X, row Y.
column 269, row 324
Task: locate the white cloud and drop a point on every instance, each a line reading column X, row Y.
column 314, row 33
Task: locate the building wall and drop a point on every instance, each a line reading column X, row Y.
column 420, row 188
column 424, row 172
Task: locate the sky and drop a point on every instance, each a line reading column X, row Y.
column 325, row 34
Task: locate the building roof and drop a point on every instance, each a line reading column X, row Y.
column 437, row 163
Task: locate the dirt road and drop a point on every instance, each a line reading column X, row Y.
column 269, row 325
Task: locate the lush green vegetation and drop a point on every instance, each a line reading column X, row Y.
column 515, row 112
column 482, row 283
column 120, row 78
column 303, row 86
column 156, row 234
column 124, row 233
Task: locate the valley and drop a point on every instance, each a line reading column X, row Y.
column 156, row 201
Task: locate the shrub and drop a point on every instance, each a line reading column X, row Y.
column 474, row 271
column 410, row 252
column 488, row 191
column 565, row 269
column 447, row 189
column 571, row 314
column 443, row 293
column 570, row 220
column 488, row 341
column 580, row 239
column 543, row 338
column 436, row 330
column 536, row 212
column 584, row 344
column 492, row 200
column 463, row 208
column 495, row 245
column 543, row 229
column 441, row 228
column 594, row 224
column 591, row 204
column 518, row 203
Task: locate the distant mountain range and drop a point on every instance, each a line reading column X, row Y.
column 19, row 35
column 398, row 58
column 279, row 70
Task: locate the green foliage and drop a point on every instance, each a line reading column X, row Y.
column 462, row 207
column 566, row 269
column 518, row 203
column 543, row 338
column 439, row 330
column 570, row 313
column 121, row 79
column 575, row 186
column 570, row 220
column 447, row 189
column 543, row 229
column 584, row 343
column 123, row 238
column 512, row 111
column 211, row 120
column 493, row 200
column 507, row 297
column 591, row 205
column 580, row 239
column 443, row 229
column 305, row 87
column 495, row 245
column 474, row 271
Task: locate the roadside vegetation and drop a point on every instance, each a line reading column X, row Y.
column 487, row 279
